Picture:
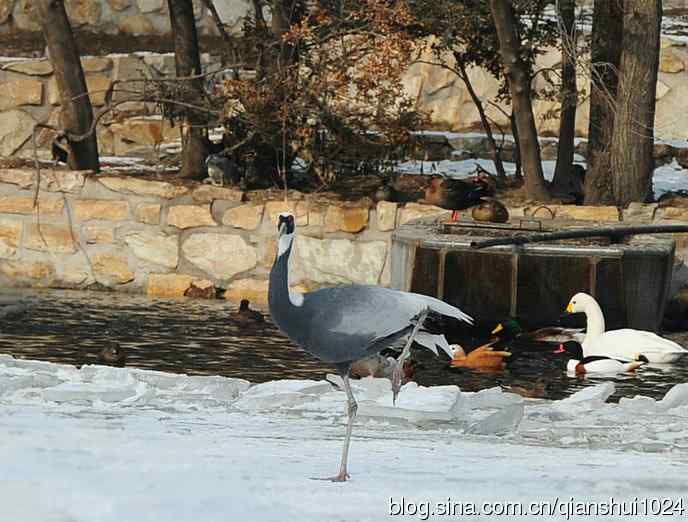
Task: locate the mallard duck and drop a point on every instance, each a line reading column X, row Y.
column 113, row 355
column 580, row 365
column 510, row 329
column 491, row 210
column 481, row 358
column 625, row 343
column 245, row 314
column 456, row 194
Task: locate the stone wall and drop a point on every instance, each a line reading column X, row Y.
column 443, row 94
column 125, row 17
column 155, row 237
column 167, row 240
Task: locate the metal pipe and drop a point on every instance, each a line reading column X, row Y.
column 581, row 233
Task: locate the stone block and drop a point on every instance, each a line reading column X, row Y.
column 220, row 255
column 100, row 209
column 154, row 247
column 143, row 187
column 190, row 216
column 49, row 238
column 20, row 92
column 168, row 285
column 247, row 217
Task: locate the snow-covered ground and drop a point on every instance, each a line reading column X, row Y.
column 108, row 444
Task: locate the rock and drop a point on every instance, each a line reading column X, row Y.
column 209, row 193
column 25, row 16
column 639, row 212
column 74, row 271
column 386, row 216
column 51, row 180
column 30, row 67
column 97, row 85
column 168, row 285
column 92, row 64
column 154, row 247
column 586, row 213
column 316, row 216
column 247, row 217
column 83, row 12
column 6, row 7
column 190, row 216
column 144, row 130
column 49, row 238
column 10, row 235
column 24, row 205
column 142, row 187
column 298, row 208
column 100, row 209
column 221, row 255
column 148, row 213
column 347, row 219
column 36, row 273
column 202, row 289
column 676, row 213
column 255, row 290
column 119, row 5
column 150, row 6
column 681, row 156
column 670, row 62
column 94, row 234
column 267, row 251
column 16, row 128
column 412, row 211
column 661, row 90
column 20, row 92
column 111, row 269
column 338, row 260
column 135, row 25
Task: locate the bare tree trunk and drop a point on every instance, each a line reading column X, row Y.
column 491, row 144
column 77, row 112
column 607, row 34
column 518, row 172
column 188, row 63
column 563, row 172
column 632, row 160
column 519, row 87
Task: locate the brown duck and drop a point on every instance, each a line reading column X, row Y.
column 456, row 194
column 491, row 210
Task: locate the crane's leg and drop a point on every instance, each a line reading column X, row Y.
column 398, row 372
column 351, row 408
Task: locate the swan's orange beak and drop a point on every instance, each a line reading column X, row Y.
column 569, row 308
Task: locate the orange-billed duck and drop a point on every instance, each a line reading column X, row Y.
column 482, row 358
column 581, row 365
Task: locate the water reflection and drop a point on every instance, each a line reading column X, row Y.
column 200, row 337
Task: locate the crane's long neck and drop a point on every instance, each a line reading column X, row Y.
column 595, row 326
column 283, row 311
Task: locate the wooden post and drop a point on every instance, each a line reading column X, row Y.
column 77, row 113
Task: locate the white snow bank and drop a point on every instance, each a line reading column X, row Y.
column 108, row 444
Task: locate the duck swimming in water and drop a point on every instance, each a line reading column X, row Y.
column 113, row 355
column 581, row 365
column 246, row 315
column 483, row 358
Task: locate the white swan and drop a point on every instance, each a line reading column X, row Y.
column 626, row 342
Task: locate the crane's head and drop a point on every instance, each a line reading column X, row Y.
column 285, row 228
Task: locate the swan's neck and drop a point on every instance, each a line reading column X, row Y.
column 595, row 326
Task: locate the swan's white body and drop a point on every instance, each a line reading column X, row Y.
column 607, row 366
column 624, row 343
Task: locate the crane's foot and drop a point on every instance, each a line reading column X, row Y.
column 341, row 477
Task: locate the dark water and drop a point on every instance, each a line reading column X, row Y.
column 201, row 337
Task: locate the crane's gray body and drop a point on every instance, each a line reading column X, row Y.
column 343, row 324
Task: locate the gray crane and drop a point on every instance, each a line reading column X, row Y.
column 343, row 324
